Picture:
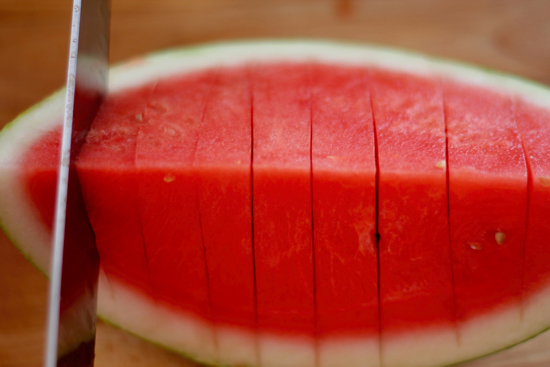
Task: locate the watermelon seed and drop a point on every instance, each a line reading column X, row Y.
column 500, row 237
column 544, row 181
column 169, row 178
column 475, row 245
column 441, row 164
column 169, row 131
column 139, row 117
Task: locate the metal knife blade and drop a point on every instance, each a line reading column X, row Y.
column 74, row 270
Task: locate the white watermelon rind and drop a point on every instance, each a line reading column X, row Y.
column 32, row 239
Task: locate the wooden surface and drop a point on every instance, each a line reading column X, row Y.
column 510, row 35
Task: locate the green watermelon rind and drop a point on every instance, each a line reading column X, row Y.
column 163, row 64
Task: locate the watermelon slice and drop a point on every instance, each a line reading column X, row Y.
column 245, row 198
column 169, row 203
column 108, row 161
column 344, row 218
column 416, row 282
column 535, row 132
column 486, row 164
column 281, row 189
column 222, row 163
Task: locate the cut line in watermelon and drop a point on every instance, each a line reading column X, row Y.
column 299, row 330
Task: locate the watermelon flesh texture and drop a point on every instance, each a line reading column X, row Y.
column 344, row 218
column 107, row 161
column 281, row 190
column 169, row 202
column 40, row 174
column 488, row 207
column 196, row 300
column 223, row 166
column 416, row 286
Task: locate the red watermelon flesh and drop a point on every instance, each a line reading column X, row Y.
column 40, row 174
column 106, row 167
column 282, row 190
column 416, row 288
column 535, row 132
column 168, row 198
column 223, row 166
column 488, row 206
column 344, row 217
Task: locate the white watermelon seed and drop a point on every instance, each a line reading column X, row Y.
column 500, row 237
column 169, row 178
column 475, row 245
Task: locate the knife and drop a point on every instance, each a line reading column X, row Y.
column 71, row 319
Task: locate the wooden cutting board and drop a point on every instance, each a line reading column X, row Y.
column 509, row 35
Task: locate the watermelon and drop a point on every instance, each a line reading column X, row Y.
column 303, row 204
column 344, row 217
column 225, row 179
column 416, row 286
column 485, row 165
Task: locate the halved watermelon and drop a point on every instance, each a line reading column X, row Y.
column 304, row 204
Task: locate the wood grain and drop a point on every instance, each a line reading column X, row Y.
column 509, row 35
